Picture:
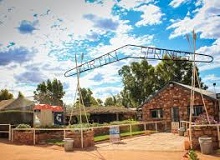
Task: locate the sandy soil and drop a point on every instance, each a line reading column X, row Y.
column 23, row 152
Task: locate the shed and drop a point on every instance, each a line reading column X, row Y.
column 47, row 115
column 172, row 103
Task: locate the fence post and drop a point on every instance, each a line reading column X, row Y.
column 9, row 132
column 130, row 130
column 218, row 136
column 34, row 136
column 155, row 126
column 165, row 125
column 145, row 126
column 12, row 135
column 64, row 133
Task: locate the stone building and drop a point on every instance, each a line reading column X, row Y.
column 172, row 103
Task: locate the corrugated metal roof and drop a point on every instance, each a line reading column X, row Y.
column 49, row 107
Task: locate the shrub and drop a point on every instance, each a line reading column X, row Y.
column 202, row 119
column 23, row 126
column 193, row 155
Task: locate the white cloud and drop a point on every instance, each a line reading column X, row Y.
column 198, row 3
column 177, row 3
column 209, row 80
column 105, row 92
column 151, row 15
column 63, row 30
column 128, row 4
column 214, row 51
column 206, row 21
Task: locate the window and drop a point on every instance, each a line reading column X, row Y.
column 156, row 113
column 197, row 110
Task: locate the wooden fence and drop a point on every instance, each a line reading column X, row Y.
column 6, row 128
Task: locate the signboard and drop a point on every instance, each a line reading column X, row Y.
column 58, row 118
column 114, row 134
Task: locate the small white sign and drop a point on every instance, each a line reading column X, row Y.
column 114, row 132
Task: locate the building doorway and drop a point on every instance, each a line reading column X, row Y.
column 175, row 114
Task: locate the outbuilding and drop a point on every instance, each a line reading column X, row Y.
column 172, row 103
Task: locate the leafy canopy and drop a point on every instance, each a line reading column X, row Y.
column 50, row 92
column 5, row 95
column 141, row 79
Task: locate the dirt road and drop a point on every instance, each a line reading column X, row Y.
column 23, row 152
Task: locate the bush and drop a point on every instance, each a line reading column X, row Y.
column 193, row 155
column 202, row 119
column 130, row 121
column 52, row 126
column 23, row 126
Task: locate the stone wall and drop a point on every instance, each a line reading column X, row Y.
column 175, row 96
column 101, row 131
column 42, row 136
column 23, row 137
column 204, row 131
column 88, row 138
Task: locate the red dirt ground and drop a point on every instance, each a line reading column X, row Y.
column 23, row 152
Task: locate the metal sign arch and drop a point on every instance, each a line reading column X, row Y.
column 145, row 52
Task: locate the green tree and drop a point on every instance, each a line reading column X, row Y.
column 110, row 101
column 142, row 79
column 50, row 92
column 114, row 100
column 138, row 80
column 5, row 95
column 87, row 97
column 20, row 95
column 178, row 71
column 100, row 102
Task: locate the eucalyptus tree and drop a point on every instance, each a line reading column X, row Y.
column 50, row 92
column 142, row 79
column 110, row 101
column 178, row 71
column 5, row 95
column 86, row 97
column 114, row 100
column 138, row 80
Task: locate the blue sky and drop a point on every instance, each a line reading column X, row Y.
column 39, row 40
